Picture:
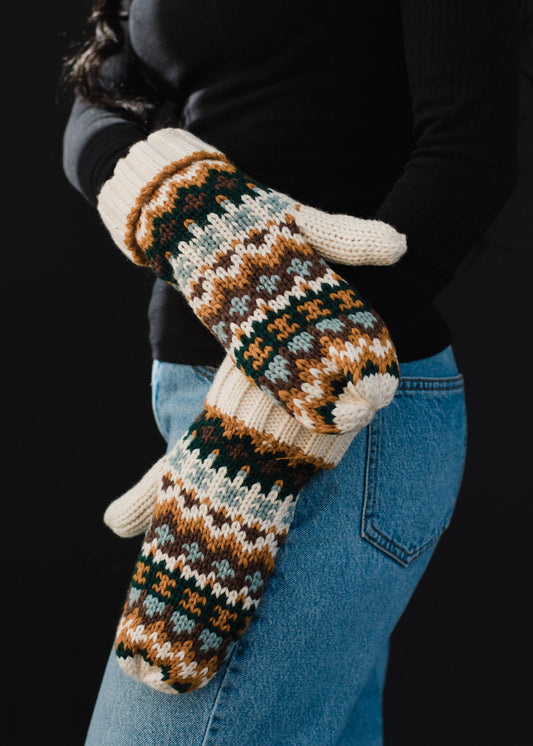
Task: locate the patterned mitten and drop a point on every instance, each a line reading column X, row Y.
column 224, row 501
column 245, row 258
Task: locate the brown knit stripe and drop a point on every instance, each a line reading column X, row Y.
column 148, row 191
column 229, row 547
column 276, row 261
column 242, row 556
column 264, row 442
column 218, row 515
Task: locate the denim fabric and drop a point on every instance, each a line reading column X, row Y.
column 310, row 669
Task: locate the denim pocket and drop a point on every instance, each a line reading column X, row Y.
column 414, row 467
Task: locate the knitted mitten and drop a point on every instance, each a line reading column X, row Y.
column 244, row 257
column 224, row 501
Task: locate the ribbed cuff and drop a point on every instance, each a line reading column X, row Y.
column 139, row 172
column 232, row 394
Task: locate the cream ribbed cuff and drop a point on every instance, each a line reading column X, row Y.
column 233, row 395
column 144, row 162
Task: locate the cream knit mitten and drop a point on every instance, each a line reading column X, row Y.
column 221, row 503
column 247, row 260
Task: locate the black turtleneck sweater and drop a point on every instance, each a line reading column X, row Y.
column 400, row 110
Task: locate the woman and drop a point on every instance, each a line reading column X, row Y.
column 398, row 111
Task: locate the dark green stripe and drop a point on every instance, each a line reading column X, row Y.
column 194, row 202
column 238, row 451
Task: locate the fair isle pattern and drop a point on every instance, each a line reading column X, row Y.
column 290, row 323
column 225, row 503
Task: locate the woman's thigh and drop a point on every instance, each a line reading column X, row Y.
column 361, row 539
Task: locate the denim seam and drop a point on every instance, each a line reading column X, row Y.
column 431, row 384
column 369, row 464
column 213, row 714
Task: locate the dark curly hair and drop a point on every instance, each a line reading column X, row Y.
column 138, row 95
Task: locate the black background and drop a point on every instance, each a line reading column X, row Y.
column 79, row 431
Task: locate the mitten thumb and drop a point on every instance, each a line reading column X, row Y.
column 130, row 514
column 346, row 239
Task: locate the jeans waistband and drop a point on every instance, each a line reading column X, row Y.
column 441, row 365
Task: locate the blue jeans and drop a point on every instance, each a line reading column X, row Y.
column 310, row 669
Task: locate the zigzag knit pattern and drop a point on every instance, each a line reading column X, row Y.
column 290, row 323
column 226, row 499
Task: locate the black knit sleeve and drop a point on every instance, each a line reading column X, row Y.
column 93, row 141
column 462, row 63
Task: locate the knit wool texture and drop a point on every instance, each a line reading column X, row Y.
column 235, row 250
column 226, row 496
